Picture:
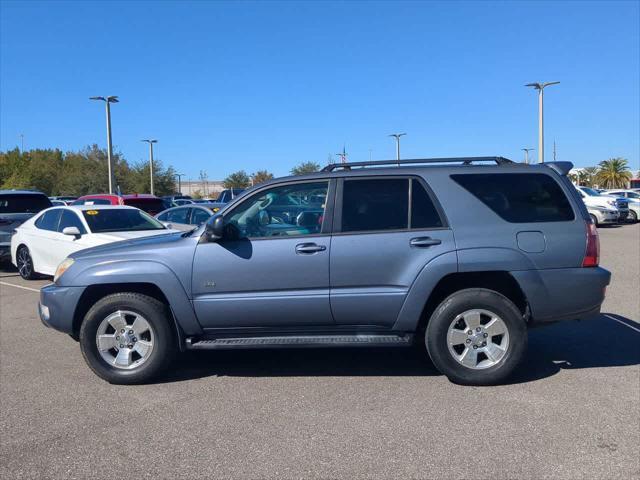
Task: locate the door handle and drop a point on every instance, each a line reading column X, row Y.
column 309, row 248
column 424, row 242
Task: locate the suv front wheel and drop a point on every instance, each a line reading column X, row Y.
column 126, row 338
column 476, row 337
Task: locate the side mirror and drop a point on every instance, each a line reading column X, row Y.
column 215, row 228
column 71, row 231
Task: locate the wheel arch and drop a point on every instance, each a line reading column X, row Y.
column 94, row 293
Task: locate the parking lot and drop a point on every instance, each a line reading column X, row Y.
column 572, row 412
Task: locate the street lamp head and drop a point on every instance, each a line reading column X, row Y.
column 149, row 141
column 113, row 99
column 537, row 86
column 98, row 98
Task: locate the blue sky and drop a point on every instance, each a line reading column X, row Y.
column 265, row 85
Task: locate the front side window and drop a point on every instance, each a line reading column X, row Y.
column 289, row 210
column 199, row 216
column 49, row 220
column 71, row 219
column 519, row 197
column 375, row 205
column 179, row 215
column 120, row 220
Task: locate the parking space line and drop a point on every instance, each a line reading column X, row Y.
column 622, row 323
column 37, row 290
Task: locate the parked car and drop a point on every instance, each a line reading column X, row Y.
column 42, row 242
column 148, row 203
column 16, row 207
column 603, row 215
column 229, row 194
column 464, row 257
column 65, row 198
column 593, row 198
column 633, row 198
column 186, row 218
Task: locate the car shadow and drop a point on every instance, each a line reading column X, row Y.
column 565, row 345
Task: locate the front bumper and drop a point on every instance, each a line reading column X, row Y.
column 57, row 306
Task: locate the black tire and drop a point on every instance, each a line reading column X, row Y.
column 633, row 216
column 463, row 301
column 25, row 264
column 594, row 219
column 157, row 316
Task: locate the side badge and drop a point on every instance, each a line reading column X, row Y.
column 209, row 283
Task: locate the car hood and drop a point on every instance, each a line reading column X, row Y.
column 125, row 242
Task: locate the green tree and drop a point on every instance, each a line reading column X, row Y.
column 261, row 176
column 587, row 176
column 304, row 168
column 238, row 179
column 613, row 173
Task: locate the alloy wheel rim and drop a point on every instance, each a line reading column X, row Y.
column 24, row 263
column 125, row 339
column 478, row 339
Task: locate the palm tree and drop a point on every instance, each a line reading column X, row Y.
column 614, row 173
column 589, row 176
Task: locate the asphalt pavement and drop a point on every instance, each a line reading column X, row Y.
column 573, row 410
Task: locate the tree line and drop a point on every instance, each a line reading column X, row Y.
column 612, row 173
column 54, row 172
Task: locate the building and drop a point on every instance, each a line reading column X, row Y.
column 206, row 189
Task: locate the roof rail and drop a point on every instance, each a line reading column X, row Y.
column 412, row 161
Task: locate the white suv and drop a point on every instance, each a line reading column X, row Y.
column 633, row 197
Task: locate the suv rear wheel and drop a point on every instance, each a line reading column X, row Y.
column 476, row 337
column 126, row 338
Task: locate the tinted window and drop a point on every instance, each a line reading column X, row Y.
column 520, row 197
column 281, row 211
column 92, row 201
column 23, row 203
column 199, row 216
column 120, row 220
column 179, row 215
column 150, row 205
column 375, row 204
column 423, row 211
column 49, row 220
column 71, row 219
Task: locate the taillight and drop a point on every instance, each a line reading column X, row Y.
column 592, row 253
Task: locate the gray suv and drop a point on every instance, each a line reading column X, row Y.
column 456, row 255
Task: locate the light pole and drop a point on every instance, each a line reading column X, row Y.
column 397, row 137
column 180, row 175
column 150, row 142
column 540, row 87
column 526, row 154
column 108, row 101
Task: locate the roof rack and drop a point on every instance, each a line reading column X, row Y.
column 463, row 160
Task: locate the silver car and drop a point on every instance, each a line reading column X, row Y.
column 187, row 217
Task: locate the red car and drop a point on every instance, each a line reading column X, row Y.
column 148, row 203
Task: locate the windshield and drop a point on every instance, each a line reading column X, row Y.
column 23, row 203
column 590, row 191
column 120, row 220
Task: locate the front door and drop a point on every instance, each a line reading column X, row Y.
column 387, row 231
column 272, row 266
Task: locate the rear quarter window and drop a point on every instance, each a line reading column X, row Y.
column 519, row 197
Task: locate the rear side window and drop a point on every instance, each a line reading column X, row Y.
column 375, row 204
column 519, row 197
column 179, row 215
column 50, row 220
column 423, row 211
column 199, row 216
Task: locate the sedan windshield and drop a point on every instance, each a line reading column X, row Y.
column 591, row 192
column 120, row 220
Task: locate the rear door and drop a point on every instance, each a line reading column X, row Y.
column 386, row 230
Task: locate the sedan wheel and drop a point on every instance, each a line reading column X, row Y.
column 25, row 264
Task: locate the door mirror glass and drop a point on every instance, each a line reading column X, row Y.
column 71, row 231
column 215, row 228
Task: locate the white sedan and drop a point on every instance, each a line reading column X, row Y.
column 46, row 239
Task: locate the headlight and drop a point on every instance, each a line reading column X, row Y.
column 63, row 267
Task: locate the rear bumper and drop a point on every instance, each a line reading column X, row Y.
column 57, row 306
column 564, row 293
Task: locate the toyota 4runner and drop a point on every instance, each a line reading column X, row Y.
column 457, row 255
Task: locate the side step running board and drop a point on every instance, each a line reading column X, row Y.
column 289, row 341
